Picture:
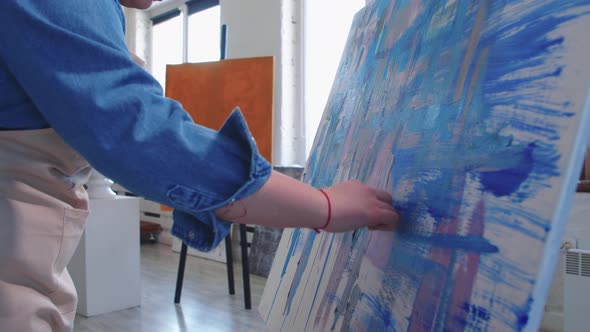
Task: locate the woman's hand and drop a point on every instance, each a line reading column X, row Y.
column 355, row 205
column 286, row 202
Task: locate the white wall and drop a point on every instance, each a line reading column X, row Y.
column 137, row 26
column 325, row 37
column 270, row 28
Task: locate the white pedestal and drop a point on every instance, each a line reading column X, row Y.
column 105, row 267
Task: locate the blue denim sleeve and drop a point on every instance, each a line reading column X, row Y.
column 70, row 58
column 194, row 221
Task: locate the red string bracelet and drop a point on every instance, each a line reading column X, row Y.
column 317, row 230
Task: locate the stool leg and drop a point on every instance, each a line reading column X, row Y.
column 180, row 276
column 245, row 266
column 230, row 265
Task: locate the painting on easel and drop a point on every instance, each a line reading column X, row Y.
column 474, row 115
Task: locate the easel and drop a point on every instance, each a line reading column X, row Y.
column 209, row 91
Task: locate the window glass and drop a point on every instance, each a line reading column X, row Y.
column 166, row 47
column 204, row 35
column 327, row 23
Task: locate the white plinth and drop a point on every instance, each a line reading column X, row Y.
column 105, row 267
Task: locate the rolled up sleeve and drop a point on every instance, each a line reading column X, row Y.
column 194, row 220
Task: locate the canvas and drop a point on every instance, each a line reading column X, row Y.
column 209, row 92
column 474, row 115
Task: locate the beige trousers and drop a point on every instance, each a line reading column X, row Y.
column 43, row 209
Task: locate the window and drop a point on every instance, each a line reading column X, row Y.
column 204, row 35
column 327, row 23
column 166, row 44
column 200, row 19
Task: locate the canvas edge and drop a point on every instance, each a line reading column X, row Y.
column 263, row 309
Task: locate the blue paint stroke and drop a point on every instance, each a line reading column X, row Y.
column 505, row 182
column 477, row 316
column 412, row 263
column 319, row 283
column 381, row 312
column 473, row 243
column 292, row 245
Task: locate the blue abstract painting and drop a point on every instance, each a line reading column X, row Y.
column 474, row 115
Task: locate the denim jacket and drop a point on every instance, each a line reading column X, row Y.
column 64, row 64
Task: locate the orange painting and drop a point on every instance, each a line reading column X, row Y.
column 210, row 91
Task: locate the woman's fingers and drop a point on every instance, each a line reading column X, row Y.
column 386, row 206
column 383, row 227
column 383, row 196
column 355, row 205
column 386, row 219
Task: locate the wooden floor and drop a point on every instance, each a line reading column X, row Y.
column 205, row 306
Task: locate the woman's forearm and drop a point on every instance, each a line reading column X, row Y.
column 281, row 202
column 286, row 202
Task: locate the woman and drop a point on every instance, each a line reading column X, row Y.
column 71, row 96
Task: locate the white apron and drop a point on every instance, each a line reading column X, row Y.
column 43, row 209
